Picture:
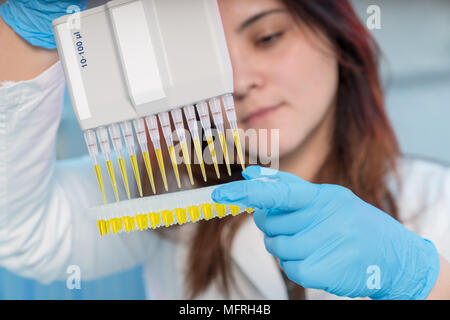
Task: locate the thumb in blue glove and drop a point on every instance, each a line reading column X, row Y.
column 32, row 19
column 327, row 238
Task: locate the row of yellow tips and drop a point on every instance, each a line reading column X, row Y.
column 152, row 124
column 165, row 218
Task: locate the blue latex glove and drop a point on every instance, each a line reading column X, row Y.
column 32, row 19
column 327, row 238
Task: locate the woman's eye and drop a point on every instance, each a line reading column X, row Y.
column 269, row 39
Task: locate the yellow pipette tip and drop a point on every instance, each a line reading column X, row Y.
column 181, row 215
column 223, row 143
column 98, row 172
column 184, row 148
column 198, row 151
column 136, row 173
column 213, row 155
column 123, row 170
column 113, row 179
column 148, row 166
column 160, row 159
column 173, row 158
column 237, row 141
column 194, row 213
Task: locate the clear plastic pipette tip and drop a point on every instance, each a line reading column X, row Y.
column 189, row 112
column 164, row 119
column 202, row 109
column 127, row 131
column 102, row 136
column 139, row 127
column 216, row 110
column 91, row 142
column 230, row 111
column 177, row 116
column 116, row 138
column 152, row 124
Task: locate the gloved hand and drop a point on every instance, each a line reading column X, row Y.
column 32, row 19
column 327, row 238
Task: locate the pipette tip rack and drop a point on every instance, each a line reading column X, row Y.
column 145, row 213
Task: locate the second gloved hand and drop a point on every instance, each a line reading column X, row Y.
column 327, row 238
column 32, row 19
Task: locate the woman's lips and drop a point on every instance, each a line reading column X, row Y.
column 261, row 115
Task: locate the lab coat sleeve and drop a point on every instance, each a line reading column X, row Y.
column 44, row 229
column 425, row 201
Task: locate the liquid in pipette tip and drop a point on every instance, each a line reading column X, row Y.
column 213, row 155
column 173, row 158
column 113, row 179
column 237, row 141
column 160, row 159
column 223, row 143
column 123, row 170
column 136, row 173
column 148, row 166
column 98, row 172
column 184, row 148
column 198, row 151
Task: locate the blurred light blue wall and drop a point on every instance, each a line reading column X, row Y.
column 415, row 39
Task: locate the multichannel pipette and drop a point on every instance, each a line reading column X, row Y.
column 124, row 70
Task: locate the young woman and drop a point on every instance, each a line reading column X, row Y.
column 307, row 68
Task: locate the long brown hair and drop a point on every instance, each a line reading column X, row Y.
column 364, row 148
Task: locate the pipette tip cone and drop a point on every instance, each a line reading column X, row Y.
column 223, row 143
column 184, row 148
column 98, row 172
column 173, row 158
column 148, row 166
column 160, row 159
column 198, row 151
column 123, row 170
column 237, row 141
column 113, row 179
column 136, row 173
column 213, row 155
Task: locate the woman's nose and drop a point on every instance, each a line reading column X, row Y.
column 247, row 74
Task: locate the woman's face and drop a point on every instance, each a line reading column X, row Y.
column 285, row 76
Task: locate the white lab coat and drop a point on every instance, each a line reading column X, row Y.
column 44, row 228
